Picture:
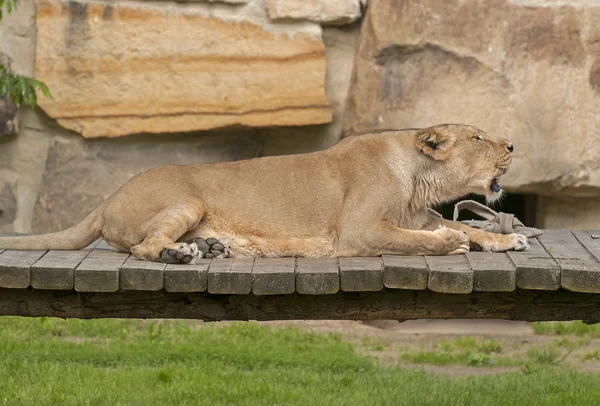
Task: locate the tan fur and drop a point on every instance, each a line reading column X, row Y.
column 365, row 196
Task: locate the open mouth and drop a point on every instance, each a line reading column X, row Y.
column 495, row 186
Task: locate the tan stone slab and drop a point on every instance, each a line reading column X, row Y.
column 361, row 274
column 187, row 278
column 334, row 12
column 580, row 271
column 492, row 272
column 317, row 276
column 14, row 267
column 536, row 270
column 405, row 272
column 119, row 68
column 411, row 68
column 230, row 276
column 99, row 271
column 56, row 269
column 136, row 274
column 450, row 274
column 273, row 276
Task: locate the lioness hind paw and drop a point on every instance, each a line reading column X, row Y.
column 211, row 248
column 180, row 253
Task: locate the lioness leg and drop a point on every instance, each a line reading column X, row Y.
column 481, row 239
column 389, row 239
column 164, row 230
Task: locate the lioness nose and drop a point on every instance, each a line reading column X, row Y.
column 510, row 147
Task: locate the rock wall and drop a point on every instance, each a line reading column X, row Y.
column 525, row 69
column 141, row 83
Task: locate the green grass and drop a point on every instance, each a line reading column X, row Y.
column 465, row 351
column 593, row 355
column 119, row 362
column 576, row 328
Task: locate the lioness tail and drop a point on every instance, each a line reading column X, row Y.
column 76, row 237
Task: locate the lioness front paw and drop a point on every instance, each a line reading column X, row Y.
column 212, row 248
column 504, row 242
column 454, row 242
column 179, row 253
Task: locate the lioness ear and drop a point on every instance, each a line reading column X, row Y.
column 434, row 143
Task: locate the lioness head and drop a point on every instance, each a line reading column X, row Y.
column 469, row 156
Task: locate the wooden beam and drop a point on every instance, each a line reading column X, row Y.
column 274, row 276
column 450, row 274
column 14, row 267
column 580, row 271
column 405, row 272
column 387, row 304
column 230, row 276
column 536, row 269
column 361, row 274
column 317, row 276
column 492, row 272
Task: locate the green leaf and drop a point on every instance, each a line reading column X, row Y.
column 21, row 89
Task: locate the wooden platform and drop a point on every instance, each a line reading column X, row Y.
column 557, row 279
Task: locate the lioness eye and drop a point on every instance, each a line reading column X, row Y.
column 478, row 138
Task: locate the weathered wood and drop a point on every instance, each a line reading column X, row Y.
column 536, row 270
column 99, row 271
column 591, row 244
column 136, row 274
column 390, row 304
column 361, row 274
column 187, row 278
column 273, row 276
column 405, row 272
column 317, row 276
column 492, row 272
column 580, row 271
column 230, row 276
column 56, row 270
column 14, row 267
column 450, row 274
column 103, row 245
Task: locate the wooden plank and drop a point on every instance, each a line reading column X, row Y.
column 405, row 272
column 580, row 271
column 536, row 270
column 390, row 304
column 56, row 269
column 136, row 274
column 589, row 239
column 317, row 276
column 450, row 274
column 273, row 276
column 187, row 278
column 492, row 272
column 99, row 271
column 101, row 244
column 15, row 268
column 230, row 276
column 361, row 274
column 93, row 245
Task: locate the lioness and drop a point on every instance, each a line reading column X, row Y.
column 367, row 195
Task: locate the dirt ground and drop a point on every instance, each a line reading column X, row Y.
column 514, row 344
